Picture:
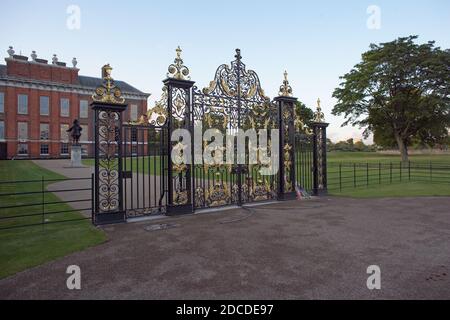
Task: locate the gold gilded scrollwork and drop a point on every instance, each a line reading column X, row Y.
column 287, row 166
column 214, row 120
column 199, row 196
column 285, row 88
column 108, row 92
column 218, row 194
column 226, row 82
column 178, row 158
column 300, row 125
column 319, row 116
column 211, row 88
column 180, row 197
column 160, row 110
column 178, row 70
column 261, row 191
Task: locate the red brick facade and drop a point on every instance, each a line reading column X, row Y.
column 55, row 81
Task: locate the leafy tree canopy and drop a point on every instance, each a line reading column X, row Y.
column 304, row 114
column 399, row 92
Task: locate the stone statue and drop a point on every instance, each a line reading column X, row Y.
column 11, row 51
column 75, row 132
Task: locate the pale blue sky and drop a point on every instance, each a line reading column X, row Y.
column 316, row 41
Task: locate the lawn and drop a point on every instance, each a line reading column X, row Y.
column 25, row 247
column 369, row 174
column 396, row 189
column 152, row 164
column 336, row 157
column 419, row 180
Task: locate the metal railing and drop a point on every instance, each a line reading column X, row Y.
column 353, row 175
column 45, row 201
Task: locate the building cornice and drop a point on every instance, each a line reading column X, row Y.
column 48, row 65
column 16, row 82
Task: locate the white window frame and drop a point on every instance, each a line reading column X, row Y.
column 134, row 112
column 61, row 107
column 84, row 133
column 2, row 130
column 48, row 106
column 64, row 136
column 22, row 154
column 19, row 123
column 18, row 103
column 60, row 148
column 2, row 102
column 40, row 149
column 40, row 131
column 86, row 103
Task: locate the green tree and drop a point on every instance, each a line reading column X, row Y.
column 400, row 92
column 303, row 113
column 360, row 146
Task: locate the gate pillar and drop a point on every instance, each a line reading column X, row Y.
column 108, row 106
column 179, row 173
column 319, row 127
column 286, row 116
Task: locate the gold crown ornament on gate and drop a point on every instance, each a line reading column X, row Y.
column 108, row 92
column 285, row 88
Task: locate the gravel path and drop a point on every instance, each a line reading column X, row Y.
column 318, row 249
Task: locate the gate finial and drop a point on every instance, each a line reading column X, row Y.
column 108, row 92
column 319, row 116
column 238, row 54
column 177, row 69
column 285, row 88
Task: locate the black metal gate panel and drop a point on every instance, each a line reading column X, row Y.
column 304, row 161
column 144, row 163
column 233, row 101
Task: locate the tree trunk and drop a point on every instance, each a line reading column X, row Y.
column 402, row 147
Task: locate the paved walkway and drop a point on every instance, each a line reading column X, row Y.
column 148, row 185
column 317, row 249
column 61, row 166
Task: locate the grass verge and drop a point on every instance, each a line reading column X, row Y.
column 26, row 247
column 398, row 189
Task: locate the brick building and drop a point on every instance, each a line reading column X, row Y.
column 39, row 101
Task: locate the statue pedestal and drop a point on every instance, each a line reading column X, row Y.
column 75, row 157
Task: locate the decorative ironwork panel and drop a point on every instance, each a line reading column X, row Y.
column 180, row 118
column 233, row 101
column 286, row 116
column 108, row 105
column 145, row 161
column 108, row 184
column 320, row 157
column 178, row 105
column 288, row 150
column 320, row 151
column 304, row 161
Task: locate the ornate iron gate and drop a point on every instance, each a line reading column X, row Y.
column 304, row 160
column 233, row 101
column 144, row 164
column 135, row 169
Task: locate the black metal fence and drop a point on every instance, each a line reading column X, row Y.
column 353, row 175
column 28, row 203
column 304, row 161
